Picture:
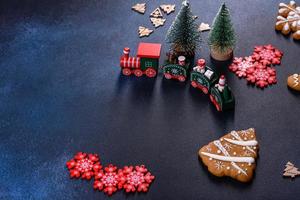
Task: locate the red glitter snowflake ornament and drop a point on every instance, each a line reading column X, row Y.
column 137, row 178
column 261, row 75
column 109, row 180
column 84, row 165
column 267, row 55
column 240, row 65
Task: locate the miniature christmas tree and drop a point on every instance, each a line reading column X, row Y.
column 290, row 170
column 183, row 34
column 222, row 38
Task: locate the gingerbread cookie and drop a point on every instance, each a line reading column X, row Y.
column 288, row 19
column 290, row 170
column 203, row 27
column 168, row 8
column 156, row 13
column 157, row 22
column 139, row 7
column 232, row 155
column 143, row 31
column 293, row 82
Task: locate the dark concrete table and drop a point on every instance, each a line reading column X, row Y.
column 62, row 92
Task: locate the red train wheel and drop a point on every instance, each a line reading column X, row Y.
column 194, row 84
column 213, row 100
column 126, row 71
column 138, row 72
column 218, row 107
column 204, row 90
column 150, row 72
column 168, row 76
column 181, row 78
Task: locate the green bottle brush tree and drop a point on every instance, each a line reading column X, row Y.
column 183, row 34
column 222, row 38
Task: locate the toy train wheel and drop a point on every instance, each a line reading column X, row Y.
column 194, row 84
column 150, row 72
column 138, row 72
column 126, row 71
column 168, row 76
column 214, row 101
column 204, row 90
column 181, row 78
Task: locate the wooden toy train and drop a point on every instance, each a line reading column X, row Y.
column 202, row 77
column 146, row 62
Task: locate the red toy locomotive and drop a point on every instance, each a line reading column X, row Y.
column 146, row 62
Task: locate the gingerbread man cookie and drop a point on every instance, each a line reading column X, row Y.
column 232, row 155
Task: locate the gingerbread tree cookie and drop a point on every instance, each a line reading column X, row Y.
column 290, row 170
column 139, row 7
column 143, row 31
column 232, row 155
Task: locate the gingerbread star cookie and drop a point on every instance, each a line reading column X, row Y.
column 232, row 155
column 168, row 8
column 293, row 82
column 143, row 31
column 139, row 7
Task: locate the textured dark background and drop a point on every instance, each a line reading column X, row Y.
column 61, row 92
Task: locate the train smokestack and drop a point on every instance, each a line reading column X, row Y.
column 126, row 52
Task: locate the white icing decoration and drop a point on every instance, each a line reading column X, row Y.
column 210, row 158
column 234, row 153
column 219, row 151
column 236, row 135
column 296, row 80
column 219, row 165
column 229, row 158
column 242, row 143
column 225, row 152
column 245, row 138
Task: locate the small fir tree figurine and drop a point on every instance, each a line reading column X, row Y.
column 183, row 34
column 222, row 38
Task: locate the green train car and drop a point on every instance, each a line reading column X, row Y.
column 178, row 70
column 222, row 100
column 204, row 81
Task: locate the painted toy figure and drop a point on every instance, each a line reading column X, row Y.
column 221, row 95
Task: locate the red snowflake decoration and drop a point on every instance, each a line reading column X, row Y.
column 84, row 165
column 109, row 180
column 137, row 178
column 240, row 65
column 267, row 55
column 261, row 75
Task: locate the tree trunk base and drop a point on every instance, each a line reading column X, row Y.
column 221, row 56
